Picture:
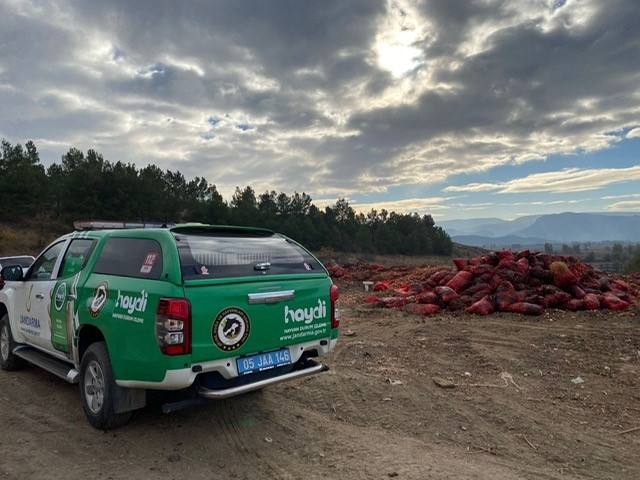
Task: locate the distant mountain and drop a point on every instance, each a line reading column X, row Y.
column 468, row 223
column 512, row 226
column 585, row 227
column 540, row 229
column 489, row 227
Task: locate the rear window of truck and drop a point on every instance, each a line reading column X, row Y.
column 241, row 254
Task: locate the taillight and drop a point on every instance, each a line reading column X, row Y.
column 335, row 307
column 173, row 326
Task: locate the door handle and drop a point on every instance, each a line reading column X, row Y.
column 39, row 296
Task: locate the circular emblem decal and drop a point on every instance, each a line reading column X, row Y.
column 100, row 297
column 60, row 296
column 231, row 329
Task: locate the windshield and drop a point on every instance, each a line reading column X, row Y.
column 241, row 254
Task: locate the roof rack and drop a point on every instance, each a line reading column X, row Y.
column 102, row 225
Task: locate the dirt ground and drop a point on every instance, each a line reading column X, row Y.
column 517, row 409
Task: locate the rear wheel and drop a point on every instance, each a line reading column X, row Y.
column 97, row 388
column 8, row 361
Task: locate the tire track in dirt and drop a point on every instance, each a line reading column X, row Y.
column 225, row 419
column 243, row 428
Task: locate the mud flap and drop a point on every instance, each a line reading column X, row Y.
column 128, row 399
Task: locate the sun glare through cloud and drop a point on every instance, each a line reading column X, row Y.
column 397, row 55
column 395, row 43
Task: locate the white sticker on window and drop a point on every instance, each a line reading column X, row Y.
column 149, row 261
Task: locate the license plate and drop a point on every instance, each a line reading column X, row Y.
column 263, row 361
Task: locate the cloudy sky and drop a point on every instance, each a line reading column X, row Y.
column 460, row 109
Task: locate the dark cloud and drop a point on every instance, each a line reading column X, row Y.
column 277, row 38
column 453, row 21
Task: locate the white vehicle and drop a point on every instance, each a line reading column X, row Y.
column 24, row 261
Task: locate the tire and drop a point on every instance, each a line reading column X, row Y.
column 8, row 361
column 97, row 388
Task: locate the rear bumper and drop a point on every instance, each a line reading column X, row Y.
column 310, row 368
column 185, row 377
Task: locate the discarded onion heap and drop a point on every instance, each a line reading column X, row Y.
column 503, row 281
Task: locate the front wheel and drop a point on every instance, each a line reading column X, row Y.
column 8, row 360
column 97, row 388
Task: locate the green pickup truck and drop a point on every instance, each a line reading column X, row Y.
column 217, row 310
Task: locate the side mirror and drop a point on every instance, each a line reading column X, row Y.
column 12, row 273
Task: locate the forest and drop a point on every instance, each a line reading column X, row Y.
column 85, row 186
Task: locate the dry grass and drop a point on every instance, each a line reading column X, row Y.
column 29, row 237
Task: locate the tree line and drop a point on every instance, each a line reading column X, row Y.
column 86, row 186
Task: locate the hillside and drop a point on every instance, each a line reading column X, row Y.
column 30, row 238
